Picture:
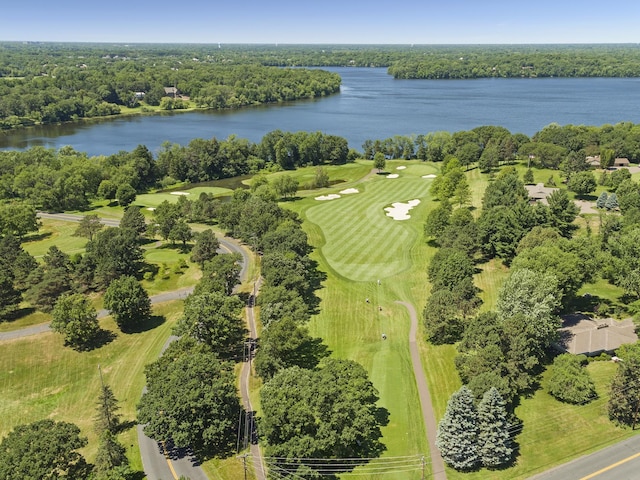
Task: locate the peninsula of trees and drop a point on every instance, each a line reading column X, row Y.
column 42, row 83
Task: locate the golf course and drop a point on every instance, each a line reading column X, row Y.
column 373, row 258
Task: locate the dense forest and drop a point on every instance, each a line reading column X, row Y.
column 57, row 82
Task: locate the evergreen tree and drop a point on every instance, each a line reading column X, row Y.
column 612, row 202
column 457, row 436
column 9, row 296
column 602, row 200
column 106, row 418
column 495, row 446
column 528, row 177
column 134, row 219
column 111, row 459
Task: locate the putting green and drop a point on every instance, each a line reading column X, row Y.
column 365, row 244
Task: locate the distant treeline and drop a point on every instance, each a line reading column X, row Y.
column 60, row 82
column 52, row 83
column 68, row 180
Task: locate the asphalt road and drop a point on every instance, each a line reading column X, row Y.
column 618, row 462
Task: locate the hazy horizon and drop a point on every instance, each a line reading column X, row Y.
column 288, row 22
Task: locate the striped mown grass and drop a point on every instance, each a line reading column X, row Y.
column 357, row 244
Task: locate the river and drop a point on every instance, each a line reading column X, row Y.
column 371, row 105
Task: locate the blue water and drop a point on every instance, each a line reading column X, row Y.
column 371, row 105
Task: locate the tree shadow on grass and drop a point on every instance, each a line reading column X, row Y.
column 102, row 338
column 150, row 323
column 36, row 237
column 17, row 314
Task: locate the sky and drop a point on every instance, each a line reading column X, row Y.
column 322, row 22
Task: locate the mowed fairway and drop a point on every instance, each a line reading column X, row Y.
column 357, row 245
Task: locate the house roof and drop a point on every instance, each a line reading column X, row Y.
column 621, row 161
column 173, row 90
column 539, row 192
column 581, row 334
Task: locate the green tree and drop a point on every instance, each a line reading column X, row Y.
column 206, row 247
column 76, row 319
column 528, row 177
column 442, row 320
column 134, row 220
column 285, row 185
column 494, row 439
column 213, row 319
column 114, row 252
column 220, row 274
column 569, row 381
column 535, row 295
column 107, row 190
column 624, row 397
column 612, row 202
column 88, row 226
column 286, row 344
column 43, row 450
column 50, row 280
column 111, row 460
column 191, row 398
column 18, row 219
column 128, row 302
column 106, row 418
column 457, row 435
column 438, row 219
column 9, row 297
column 448, row 268
column 180, row 232
column 563, row 211
column 602, row 200
column 607, row 157
column 582, row 183
column 125, row 194
column 328, row 412
column 379, row 162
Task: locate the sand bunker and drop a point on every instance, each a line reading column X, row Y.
column 151, row 209
column 179, row 193
column 350, row 190
column 400, row 211
column 331, row 196
column 401, row 167
column 393, row 175
column 431, row 175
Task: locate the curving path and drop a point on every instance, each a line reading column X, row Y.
column 430, row 424
column 160, row 461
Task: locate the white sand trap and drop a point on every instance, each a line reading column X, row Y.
column 331, row 196
column 350, row 190
column 400, row 211
column 393, row 175
column 180, row 193
column 151, row 209
column 431, row 175
column 401, row 167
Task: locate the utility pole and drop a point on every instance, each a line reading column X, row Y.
column 244, row 464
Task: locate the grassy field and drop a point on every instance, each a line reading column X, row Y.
column 361, row 248
column 40, row 378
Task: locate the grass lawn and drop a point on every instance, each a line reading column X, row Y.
column 357, row 244
column 40, row 378
column 54, row 232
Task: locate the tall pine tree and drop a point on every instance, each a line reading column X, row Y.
column 496, row 447
column 106, row 419
column 457, row 437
